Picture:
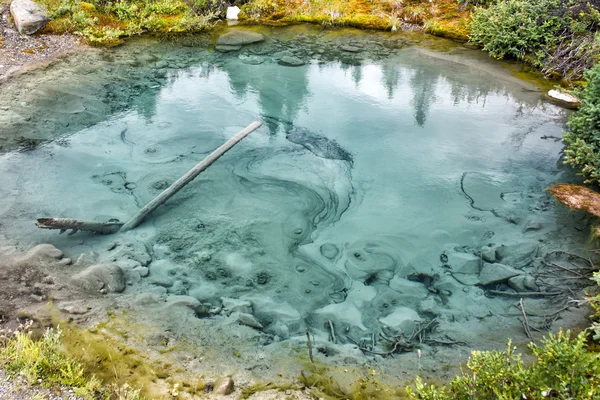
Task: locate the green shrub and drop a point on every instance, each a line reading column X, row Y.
column 583, row 136
column 563, row 369
column 516, row 28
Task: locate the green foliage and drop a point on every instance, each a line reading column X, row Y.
column 516, row 28
column 556, row 35
column 563, row 369
column 258, row 8
column 44, row 362
column 583, row 136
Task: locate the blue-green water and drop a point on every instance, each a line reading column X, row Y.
column 365, row 202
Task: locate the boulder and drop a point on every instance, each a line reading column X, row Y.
column 231, row 306
column 101, row 278
column 465, row 263
column 402, row 318
column 29, row 17
column 523, row 283
column 488, row 254
column 496, row 273
column 350, row 48
column 519, row 254
column 224, row 386
column 290, row 61
column 232, row 12
column 224, row 48
column 247, row 319
column 563, row 99
column 239, row 37
column 40, row 256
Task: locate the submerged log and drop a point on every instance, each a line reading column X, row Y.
column 188, row 177
column 65, row 224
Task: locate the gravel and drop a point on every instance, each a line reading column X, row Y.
column 17, row 388
column 18, row 51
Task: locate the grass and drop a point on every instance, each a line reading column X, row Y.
column 107, row 23
column 45, row 362
column 440, row 17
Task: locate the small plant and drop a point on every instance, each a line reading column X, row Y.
column 44, row 362
column 563, row 369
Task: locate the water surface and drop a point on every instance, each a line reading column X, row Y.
column 363, row 205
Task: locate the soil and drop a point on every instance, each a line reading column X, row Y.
column 21, row 52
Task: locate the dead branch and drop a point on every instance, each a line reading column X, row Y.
column 524, row 321
column 75, row 225
column 523, row 294
column 188, row 177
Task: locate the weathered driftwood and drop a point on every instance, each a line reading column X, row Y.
column 111, row 227
column 188, row 177
column 65, row 224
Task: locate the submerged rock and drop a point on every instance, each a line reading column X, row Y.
column 29, row 16
column 224, row 48
column 319, row 145
column 238, row 37
column 496, row 273
column 101, row 278
column 290, row 61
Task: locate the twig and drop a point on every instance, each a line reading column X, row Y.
column 563, row 268
column 421, row 330
column 332, row 331
column 523, row 294
column 525, row 322
column 310, row 354
column 446, row 343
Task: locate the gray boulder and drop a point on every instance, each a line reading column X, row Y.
column 290, row 61
column 101, row 278
column 496, row 273
column 239, row 37
column 29, row 17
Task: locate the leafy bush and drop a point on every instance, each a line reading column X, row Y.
column 583, row 136
column 557, row 35
column 563, row 369
column 516, row 28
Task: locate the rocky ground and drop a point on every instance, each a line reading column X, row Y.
column 20, row 51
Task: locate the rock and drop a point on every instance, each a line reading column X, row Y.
column 39, row 256
column 143, row 271
column 29, row 17
column 231, row 306
column 290, row 61
column 101, row 277
column 518, row 254
column 86, row 259
column 402, row 318
column 224, row 386
column 280, row 54
column 238, row 37
column 488, row 254
column 563, row 99
column 232, row 12
column 466, row 279
column 496, row 273
column 533, row 226
column 465, row 263
column 247, row 319
column 329, row 250
column 523, row 283
column 224, row 48
column 349, row 48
